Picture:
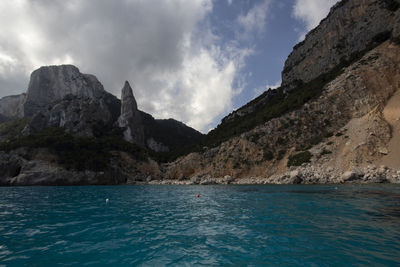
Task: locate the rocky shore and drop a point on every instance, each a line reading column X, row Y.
column 306, row 174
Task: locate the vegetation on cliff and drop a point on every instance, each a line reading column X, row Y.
column 78, row 153
column 282, row 102
column 12, row 128
column 299, row 158
column 170, row 132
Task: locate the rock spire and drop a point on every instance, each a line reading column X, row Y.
column 130, row 117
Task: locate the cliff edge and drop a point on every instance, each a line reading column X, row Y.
column 329, row 122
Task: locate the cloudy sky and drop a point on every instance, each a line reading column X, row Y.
column 192, row 60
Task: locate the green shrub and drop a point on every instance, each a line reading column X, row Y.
column 299, row 159
column 281, row 154
column 328, row 134
column 392, row 5
column 315, row 140
column 280, row 141
column 305, row 146
column 12, row 129
column 325, row 152
column 268, row 155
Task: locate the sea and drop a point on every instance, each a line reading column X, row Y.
column 222, row 225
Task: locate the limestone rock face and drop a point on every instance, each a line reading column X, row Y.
column 50, row 84
column 12, row 106
column 15, row 169
column 61, row 96
column 77, row 116
column 130, row 117
column 339, row 36
column 343, row 128
column 156, row 146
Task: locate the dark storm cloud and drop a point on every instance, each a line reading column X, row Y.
column 166, row 49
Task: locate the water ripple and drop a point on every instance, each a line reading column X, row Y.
column 227, row 225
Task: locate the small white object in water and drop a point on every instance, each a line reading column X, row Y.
column 107, row 200
column 335, row 188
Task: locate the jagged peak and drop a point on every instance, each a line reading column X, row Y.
column 127, row 84
column 127, row 95
column 127, row 90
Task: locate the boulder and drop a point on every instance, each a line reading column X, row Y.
column 207, row 180
column 354, row 174
column 228, row 179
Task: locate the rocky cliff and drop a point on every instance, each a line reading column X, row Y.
column 352, row 28
column 12, row 106
column 335, row 119
column 61, row 96
column 51, row 84
column 339, row 37
column 326, row 123
column 88, row 134
column 130, row 117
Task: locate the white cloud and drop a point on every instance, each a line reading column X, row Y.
column 229, row 2
column 253, row 22
column 164, row 48
column 311, row 12
column 206, row 85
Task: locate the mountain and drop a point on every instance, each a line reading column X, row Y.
column 12, row 106
column 67, row 119
column 334, row 119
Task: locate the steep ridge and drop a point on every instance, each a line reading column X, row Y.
column 325, row 123
column 352, row 28
column 168, row 135
column 344, row 35
column 61, row 96
column 341, row 130
column 333, row 120
column 68, row 130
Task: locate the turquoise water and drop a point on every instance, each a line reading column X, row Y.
column 226, row 225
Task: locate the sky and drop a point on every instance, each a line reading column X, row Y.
column 191, row 60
